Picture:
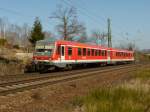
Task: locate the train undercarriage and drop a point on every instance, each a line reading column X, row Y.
column 43, row 67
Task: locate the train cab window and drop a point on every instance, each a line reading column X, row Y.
column 84, row 51
column 92, row 52
column 69, row 51
column 58, row 50
column 79, row 51
column 89, row 52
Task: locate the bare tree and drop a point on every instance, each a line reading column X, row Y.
column 128, row 46
column 99, row 38
column 14, row 34
column 68, row 25
column 2, row 27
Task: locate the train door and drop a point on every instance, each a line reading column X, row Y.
column 62, row 57
column 108, row 57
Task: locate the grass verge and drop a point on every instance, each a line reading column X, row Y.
column 127, row 97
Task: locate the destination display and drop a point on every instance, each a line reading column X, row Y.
column 44, row 47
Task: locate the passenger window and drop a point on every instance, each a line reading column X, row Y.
column 103, row 53
column 99, row 52
column 92, row 52
column 69, row 51
column 79, row 51
column 89, row 52
column 96, row 53
column 84, row 51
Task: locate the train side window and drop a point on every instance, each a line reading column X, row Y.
column 58, row 50
column 69, row 51
column 89, row 52
column 105, row 53
column 92, row 52
column 102, row 53
column 79, row 51
column 84, row 51
column 99, row 52
column 95, row 52
column 120, row 54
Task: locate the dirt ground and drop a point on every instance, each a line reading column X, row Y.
column 58, row 98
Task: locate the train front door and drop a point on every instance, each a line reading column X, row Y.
column 62, row 52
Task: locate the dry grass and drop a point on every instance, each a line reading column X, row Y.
column 11, row 68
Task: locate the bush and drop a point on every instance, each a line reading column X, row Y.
column 3, row 42
column 16, row 46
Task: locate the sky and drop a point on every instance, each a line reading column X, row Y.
column 130, row 19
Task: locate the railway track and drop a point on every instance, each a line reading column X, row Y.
column 36, row 82
column 27, row 76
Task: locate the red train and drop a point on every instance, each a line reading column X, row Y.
column 67, row 54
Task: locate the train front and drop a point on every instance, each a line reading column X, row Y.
column 42, row 56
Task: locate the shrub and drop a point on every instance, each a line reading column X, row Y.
column 16, row 46
column 3, row 42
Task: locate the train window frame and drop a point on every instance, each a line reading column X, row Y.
column 69, row 51
column 84, row 51
column 79, row 51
